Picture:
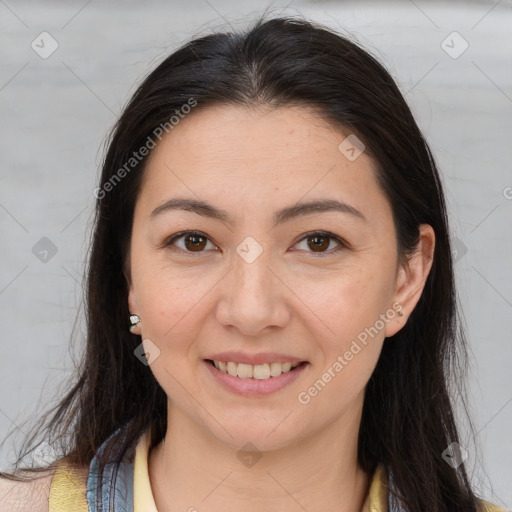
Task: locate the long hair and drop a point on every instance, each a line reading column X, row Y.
column 408, row 419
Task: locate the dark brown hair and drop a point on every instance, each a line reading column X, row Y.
column 407, row 418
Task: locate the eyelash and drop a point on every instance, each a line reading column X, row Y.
column 324, row 234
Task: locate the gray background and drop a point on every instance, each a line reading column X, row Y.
column 57, row 111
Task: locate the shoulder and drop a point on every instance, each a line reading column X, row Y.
column 486, row 506
column 31, row 495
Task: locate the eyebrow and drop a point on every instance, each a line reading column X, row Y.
column 285, row 214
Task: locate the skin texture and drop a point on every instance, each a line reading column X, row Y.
column 291, row 299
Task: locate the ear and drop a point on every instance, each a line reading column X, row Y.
column 411, row 278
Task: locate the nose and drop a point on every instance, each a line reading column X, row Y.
column 253, row 296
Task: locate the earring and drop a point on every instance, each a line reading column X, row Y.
column 134, row 320
column 400, row 313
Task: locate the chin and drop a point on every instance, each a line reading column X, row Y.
column 263, row 435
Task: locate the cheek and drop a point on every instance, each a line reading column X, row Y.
column 348, row 302
column 351, row 333
column 349, row 339
column 175, row 303
column 172, row 319
column 171, row 307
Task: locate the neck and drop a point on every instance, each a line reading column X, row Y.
column 192, row 470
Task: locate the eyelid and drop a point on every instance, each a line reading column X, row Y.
column 342, row 244
column 192, row 232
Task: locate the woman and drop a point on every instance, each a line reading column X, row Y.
column 271, row 222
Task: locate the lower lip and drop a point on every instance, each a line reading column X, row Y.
column 255, row 387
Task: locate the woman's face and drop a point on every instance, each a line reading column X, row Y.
column 254, row 282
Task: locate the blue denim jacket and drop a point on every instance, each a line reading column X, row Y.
column 115, row 492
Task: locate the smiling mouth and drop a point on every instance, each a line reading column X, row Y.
column 255, row 372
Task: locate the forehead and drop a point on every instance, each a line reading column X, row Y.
column 241, row 135
column 230, row 154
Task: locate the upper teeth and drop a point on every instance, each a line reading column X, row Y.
column 256, row 371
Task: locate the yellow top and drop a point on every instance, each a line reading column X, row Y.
column 67, row 490
column 142, row 493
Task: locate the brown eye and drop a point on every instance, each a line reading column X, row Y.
column 318, row 243
column 195, row 242
column 191, row 241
